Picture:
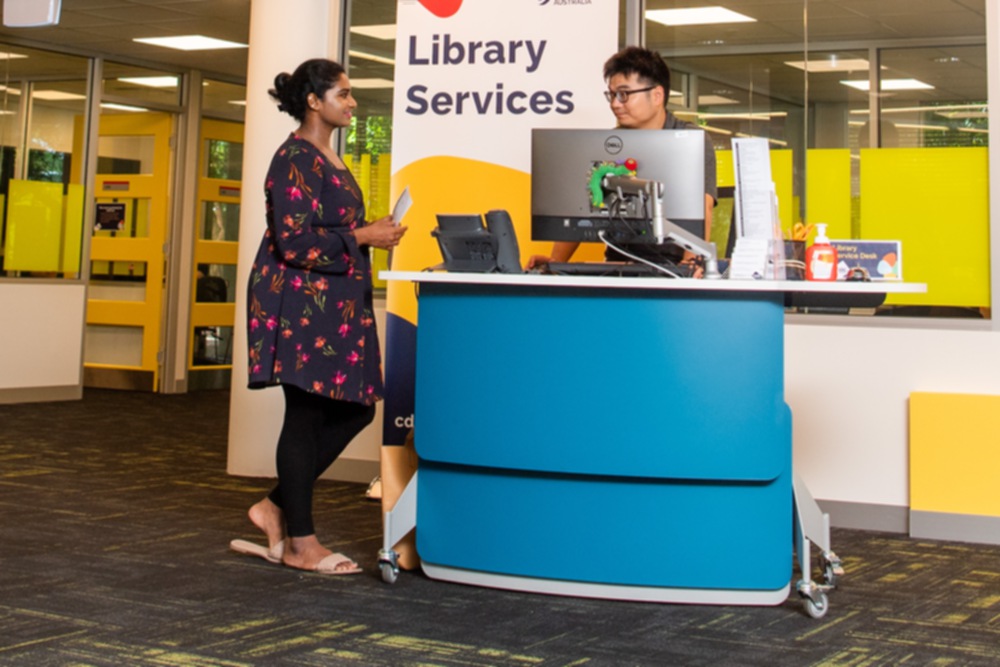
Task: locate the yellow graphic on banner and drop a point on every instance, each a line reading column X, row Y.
column 454, row 185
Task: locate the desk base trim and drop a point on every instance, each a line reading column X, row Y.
column 608, row 591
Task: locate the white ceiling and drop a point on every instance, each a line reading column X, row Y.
column 107, row 27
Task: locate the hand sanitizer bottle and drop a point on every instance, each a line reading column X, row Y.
column 821, row 257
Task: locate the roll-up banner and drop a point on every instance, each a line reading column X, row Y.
column 473, row 77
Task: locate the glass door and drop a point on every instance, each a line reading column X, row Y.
column 122, row 347
column 220, row 167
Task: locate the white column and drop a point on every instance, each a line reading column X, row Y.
column 282, row 35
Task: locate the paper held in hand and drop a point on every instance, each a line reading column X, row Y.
column 402, row 206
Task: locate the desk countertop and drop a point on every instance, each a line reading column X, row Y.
column 614, row 282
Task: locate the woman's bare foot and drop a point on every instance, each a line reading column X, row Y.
column 305, row 553
column 269, row 518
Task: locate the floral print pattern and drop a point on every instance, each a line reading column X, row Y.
column 310, row 316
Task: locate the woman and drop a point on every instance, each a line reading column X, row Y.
column 311, row 325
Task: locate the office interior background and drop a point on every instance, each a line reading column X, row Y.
column 121, row 164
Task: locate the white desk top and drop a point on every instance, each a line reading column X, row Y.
column 544, row 280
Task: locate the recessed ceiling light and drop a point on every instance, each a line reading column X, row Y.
column 890, row 84
column 10, row 56
column 716, row 130
column 239, row 103
column 8, row 89
column 924, row 127
column 932, row 109
column 151, row 81
column 762, row 115
column 190, row 43
column 56, row 95
column 371, row 83
column 711, row 100
column 963, row 115
column 947, row 60
column 383, row 31
column 371, row 56
column 831, row 65
column 121, row 107
column 697, row 16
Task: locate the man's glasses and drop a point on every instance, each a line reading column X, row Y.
column 622, row 93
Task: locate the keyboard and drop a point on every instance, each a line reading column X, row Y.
column 621, row 269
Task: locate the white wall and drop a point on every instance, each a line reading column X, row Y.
column 848, row 388
column 41, row 340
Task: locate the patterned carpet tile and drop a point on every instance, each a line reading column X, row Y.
column 113, row 551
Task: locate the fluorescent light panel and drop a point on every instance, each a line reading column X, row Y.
column 934, row 109
column 151, row 81
column 10, row 56
column 190, row 43
column 833, row 64
column 384, row 31
column 121, row 107
column 56, row 95
column 697, row 16
column 371, row 56
column 760, row 115
column 890, row 84
column 713, row 100
column 371, row 83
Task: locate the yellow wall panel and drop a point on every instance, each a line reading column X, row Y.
column 954, row 453
column 34, row 226
column 828, row 190
column 935, row 201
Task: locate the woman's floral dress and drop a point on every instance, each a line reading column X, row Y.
column 311, row 322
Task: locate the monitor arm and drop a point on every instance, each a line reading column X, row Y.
column 663, row 229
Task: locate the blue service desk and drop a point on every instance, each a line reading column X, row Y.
column 605, row 437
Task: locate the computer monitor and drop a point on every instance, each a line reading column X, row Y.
column 588, row 183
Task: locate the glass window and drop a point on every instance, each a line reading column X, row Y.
column 41, row 186
column 223, row 100
column 225, row 159
column 881, row 132
column 125, row 86
column 371, row 47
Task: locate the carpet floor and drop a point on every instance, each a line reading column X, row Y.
column 117, row 512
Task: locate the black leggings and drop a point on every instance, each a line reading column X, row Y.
column 314, row 433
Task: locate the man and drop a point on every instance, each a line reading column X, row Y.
column 638, row 89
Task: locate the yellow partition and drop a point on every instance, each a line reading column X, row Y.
column 34, row 226
column 954, row 458
column 828, row 190
column 935, row 201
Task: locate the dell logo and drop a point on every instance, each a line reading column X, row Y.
column 613, row 145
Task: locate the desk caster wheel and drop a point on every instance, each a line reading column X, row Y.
column 832, row 568
column 818, row 606
column 388, row 563
column 814, row 598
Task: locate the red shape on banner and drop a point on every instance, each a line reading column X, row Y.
column 442, row 8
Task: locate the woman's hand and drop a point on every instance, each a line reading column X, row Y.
column 382, row 233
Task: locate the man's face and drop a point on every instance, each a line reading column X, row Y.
column 642, row 110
